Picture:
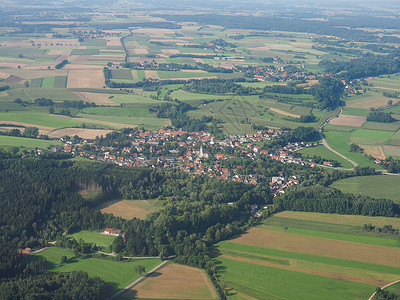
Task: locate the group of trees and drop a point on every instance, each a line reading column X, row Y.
column 61, row 64
column 366, row 66
column 328, row 92
column 380, row 116
column 218, row 86
column 322, row 199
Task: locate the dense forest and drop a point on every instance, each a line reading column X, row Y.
column 41, row 200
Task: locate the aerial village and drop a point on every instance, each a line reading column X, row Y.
column 195, row 152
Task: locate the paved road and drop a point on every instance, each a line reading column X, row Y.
column 370, row 298
column 325, row 143
column 127, row 257
column 132, row 284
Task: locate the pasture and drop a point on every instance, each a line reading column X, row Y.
column 174, row 282
column 129, row 209
column 119, row 273
column 12, row 141
column 99, row 239
column 379, row 186
column 339, row 141
column 81, row 132
column 325, row 256
column 324, row 153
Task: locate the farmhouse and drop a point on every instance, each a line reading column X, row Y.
column 111, row 231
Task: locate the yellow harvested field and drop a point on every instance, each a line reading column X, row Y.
column 302, row 44
column 59, row 52
column 170, row 51
column 84, row 67
column 291, row 242
column 98, row 98
column 368, row 102
column 13, row 64
column 93, row 79
column 140, row 51
column 356, row 121
column 113, row 42
column 151, row 74
column 284, row 112
column 375, row 151
column 175, row 282
column 128, row 209
column 353, row 220
column 81, row 132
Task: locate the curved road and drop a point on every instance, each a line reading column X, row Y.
column 325, row 143
column 370, row 298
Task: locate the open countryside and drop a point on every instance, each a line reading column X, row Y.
column 185, row 150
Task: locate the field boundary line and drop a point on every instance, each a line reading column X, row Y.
column 373, row 295
column 325, row 143
column 133, row 283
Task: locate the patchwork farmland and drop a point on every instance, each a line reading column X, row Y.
column 324, row 256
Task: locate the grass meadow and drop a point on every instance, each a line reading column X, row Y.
column 340, row 142
column 379, row 186
column 12, row 141
column 323, row 152
column 99, row 239
column 119, row 273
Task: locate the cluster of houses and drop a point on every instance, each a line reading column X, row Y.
column 262, row 73
column 195, row 152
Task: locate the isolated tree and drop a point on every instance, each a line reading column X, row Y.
column 26, row 83
column 118, row 244
column 64, row 259
column 140, row 269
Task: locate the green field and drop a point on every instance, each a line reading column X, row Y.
column 395, row 288
column 324, row 153
column 181, row 74
column 249, row 269
column 121, row 74
column 42, row 119
column 117, row 111
column 94, row 237
column 381, row 126
column 330, row 231
column 372, row 134
column 355, row 111
column 340, row 142
column 120, row 273
column 12, row 141
column 48, row 82
column 381, row 186
column 262, row 282
column 60, row 82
